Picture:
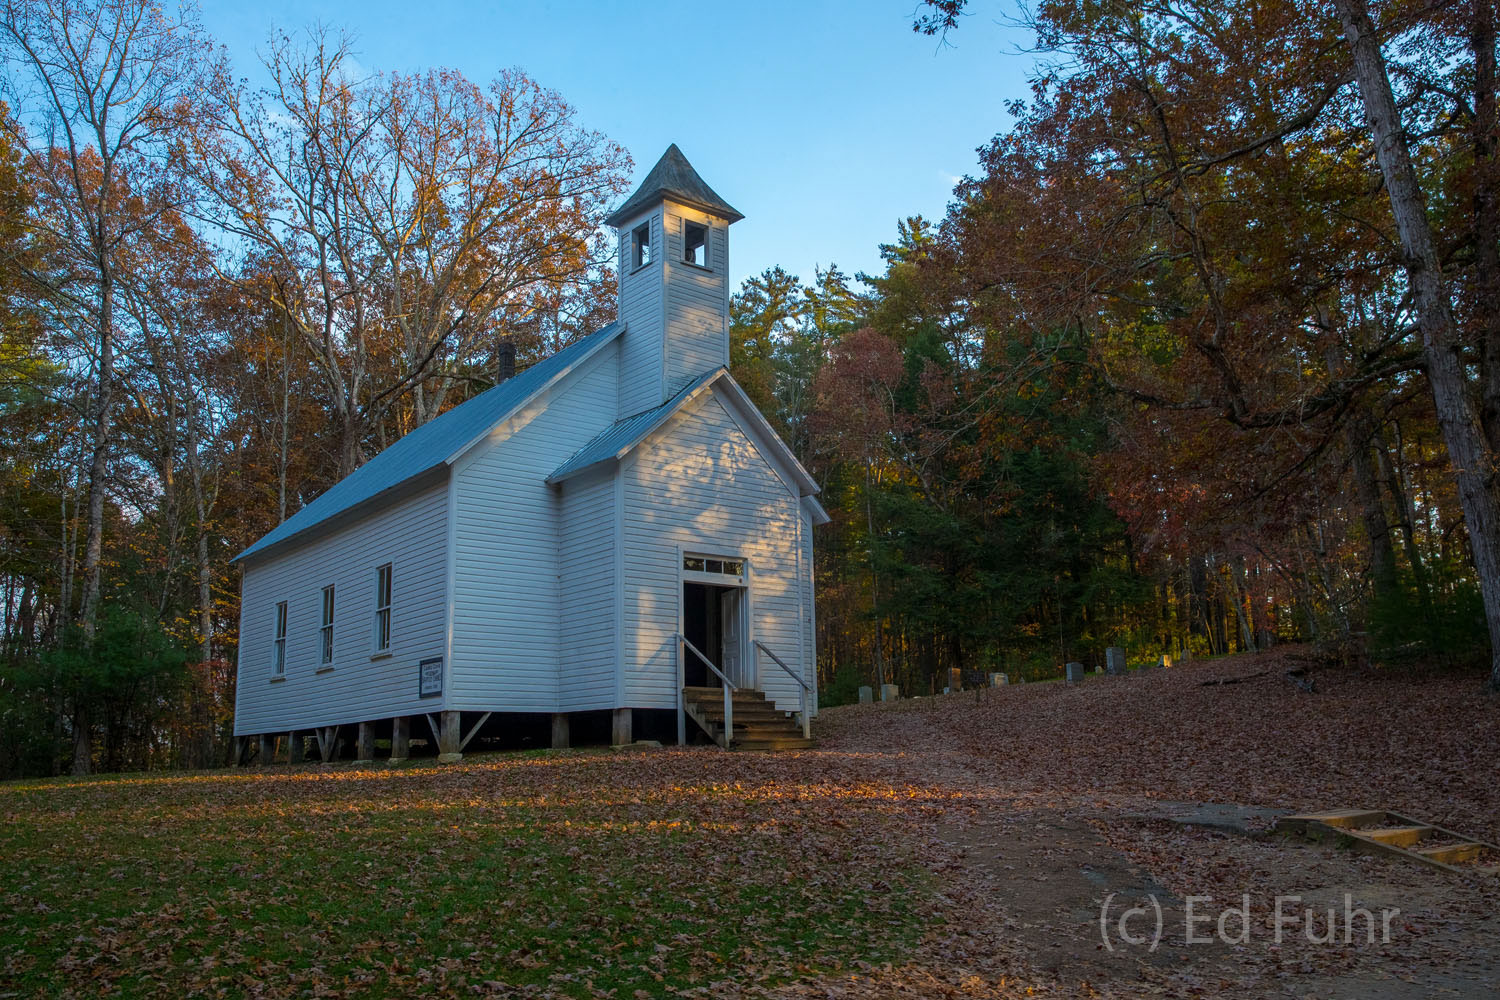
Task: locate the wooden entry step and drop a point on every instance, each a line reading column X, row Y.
column 1381, row 831
column 758, row 724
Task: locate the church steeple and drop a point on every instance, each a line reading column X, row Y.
column 674, row 282
column 674, row 177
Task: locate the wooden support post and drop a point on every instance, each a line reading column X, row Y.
column 267, row 750
column 560, row 736
column 622, row 728
column 239, row 750
column 364, row 747
column 448, row 738
column 293, row 747
column 400, row 739
column 326, row 745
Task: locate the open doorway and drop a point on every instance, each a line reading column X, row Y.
column 713, row 621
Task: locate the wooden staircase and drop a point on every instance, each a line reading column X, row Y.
column 758, row 725
column 1380, row 831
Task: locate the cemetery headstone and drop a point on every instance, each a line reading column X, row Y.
column 889, row 692
column 1166, row 661
column 866, row 695
column 1114, row 658
column 1075, row 673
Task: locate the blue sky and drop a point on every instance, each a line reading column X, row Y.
column 823, row 122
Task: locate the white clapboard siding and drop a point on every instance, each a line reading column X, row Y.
column 412, row 536
column 699, row 484
column 809, row 611
column 697, row 302
column 641, row 310
column 586, row 558
column 505, row 649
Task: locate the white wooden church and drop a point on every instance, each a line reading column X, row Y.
column 613, row 540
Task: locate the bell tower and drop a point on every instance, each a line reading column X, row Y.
column 674, row 283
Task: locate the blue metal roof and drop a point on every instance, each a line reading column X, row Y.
column 625, row 434
column 431, row 445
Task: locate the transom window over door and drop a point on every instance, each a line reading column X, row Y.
column 723, row 571
column 325, row 633
column 383, row 608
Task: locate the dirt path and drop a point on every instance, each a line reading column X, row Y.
column 1033, row 855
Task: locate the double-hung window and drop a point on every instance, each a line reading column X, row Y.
column 278, row 645
column 383, row 608
column 326, row 632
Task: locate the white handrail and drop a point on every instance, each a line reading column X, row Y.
column 802, row 693
column 729, row 688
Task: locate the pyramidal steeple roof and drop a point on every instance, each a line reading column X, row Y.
column 674, row 177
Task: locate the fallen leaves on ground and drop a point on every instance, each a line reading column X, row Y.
column 859, row 869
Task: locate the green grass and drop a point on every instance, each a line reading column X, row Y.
column 574, row 874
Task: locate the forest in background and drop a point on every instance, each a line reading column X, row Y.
column 1206, row 354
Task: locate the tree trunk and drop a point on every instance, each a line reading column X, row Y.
column 99, row 461
column 1358, row 435
column 1406, row 519
column 83, row 748
column 200, row 509
column 880, row 673
column 1468, row 451
column 1242, row 606
column 1486, row 217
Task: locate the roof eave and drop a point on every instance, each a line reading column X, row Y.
column 639, row 206
column 809, row 486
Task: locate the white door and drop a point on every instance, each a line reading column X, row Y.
column 733, row 631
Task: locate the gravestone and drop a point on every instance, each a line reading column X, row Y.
column 1075, row 673
column 1114, row 658
column 866, row 695
column 996, row 680
column 889, row 692
column 1004, row 679
column 1166, row 661
column 955, row 679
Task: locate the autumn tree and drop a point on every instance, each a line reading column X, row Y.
column 405, row 221
column 1191, row 190
column 100, row 90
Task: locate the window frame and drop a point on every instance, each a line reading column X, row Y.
column 325, row 631
column 707, row 231
column 278, row 641
column 731, row 571
column 384, row 575
column 641, row 255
